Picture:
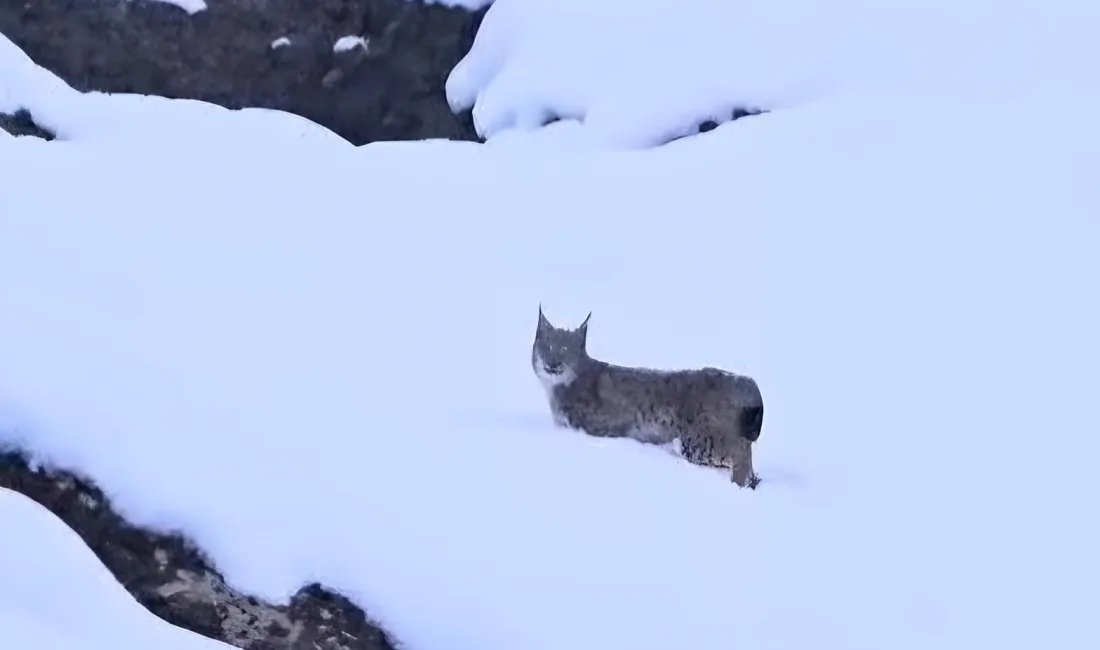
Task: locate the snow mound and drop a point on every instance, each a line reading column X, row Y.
column 347, row 43
column 57, row 595
column 643, row 73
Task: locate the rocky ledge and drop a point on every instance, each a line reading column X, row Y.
column 368, row 70
column 174, row 580
column 21, row 123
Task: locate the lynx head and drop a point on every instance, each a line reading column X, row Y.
column 558, row 353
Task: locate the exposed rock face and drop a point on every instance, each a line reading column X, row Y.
column 264, row 53
column 21, row 123
column 174, row 580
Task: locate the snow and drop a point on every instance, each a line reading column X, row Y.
column 315, row 358
column 321, row 392
column 57, row 595
column 640, row 76
column 345, row 43
column 192, row 7
column 282, row 41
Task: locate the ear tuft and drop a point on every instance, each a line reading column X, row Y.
column 543, row 323
column 583, row 329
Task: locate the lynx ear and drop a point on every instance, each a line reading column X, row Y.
column 543, row 323
column 583, row 329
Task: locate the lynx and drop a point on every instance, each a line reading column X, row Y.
column 715, row 415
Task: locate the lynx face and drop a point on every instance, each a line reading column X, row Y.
column 558, row 353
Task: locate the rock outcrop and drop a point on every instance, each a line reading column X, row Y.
column 174, row 580
column 385, row 81
column 21, row 123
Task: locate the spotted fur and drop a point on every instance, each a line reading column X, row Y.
column 716, row 415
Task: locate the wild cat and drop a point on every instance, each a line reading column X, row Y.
column 716, row 415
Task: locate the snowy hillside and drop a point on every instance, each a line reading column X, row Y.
column 340, row 337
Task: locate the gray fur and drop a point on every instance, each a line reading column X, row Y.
column 716, row 415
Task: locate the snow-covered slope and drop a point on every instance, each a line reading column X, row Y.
column 317, row 363
column 56, row 595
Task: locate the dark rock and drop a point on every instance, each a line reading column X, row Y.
column 709, row 125
column 741, row 111
column 737, row 113
column 176, row 581
column 391, row 90
column 21, row 123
